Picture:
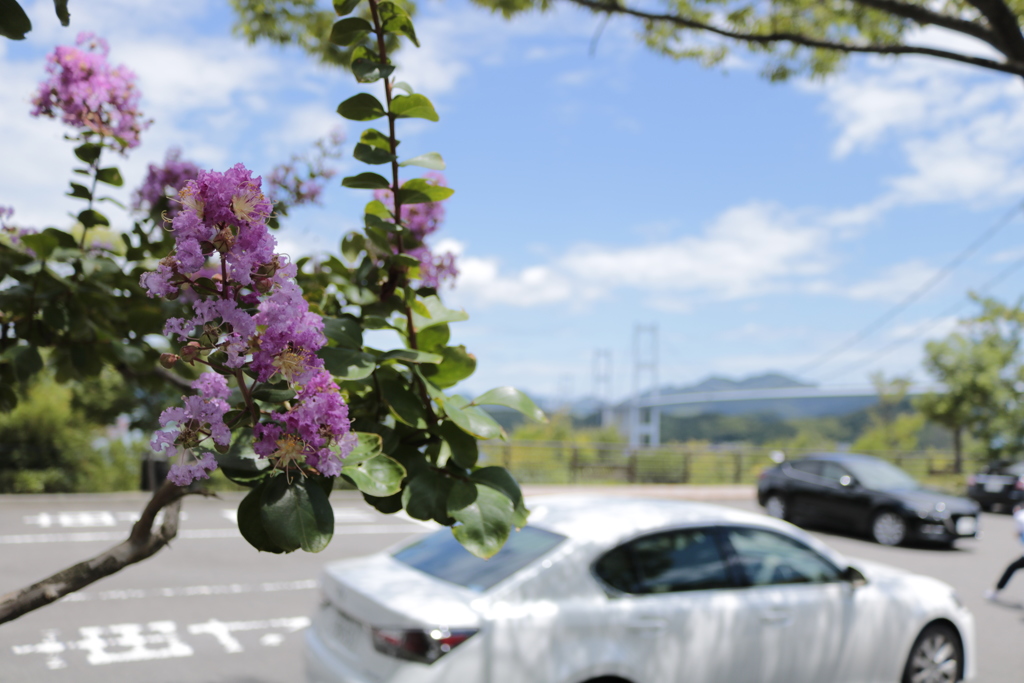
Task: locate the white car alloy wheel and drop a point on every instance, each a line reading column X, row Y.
column 775, row 506
column 935, row 657
column 889, row 528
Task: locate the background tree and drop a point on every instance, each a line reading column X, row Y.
column 980, row 365
column 891, row 428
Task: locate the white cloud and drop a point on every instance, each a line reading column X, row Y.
column 747, row 251
column 895, row 283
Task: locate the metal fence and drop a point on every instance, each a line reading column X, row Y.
column 557, row 462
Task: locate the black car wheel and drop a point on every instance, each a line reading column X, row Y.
column 776, row 507
column 936, row 657
column 888, row 528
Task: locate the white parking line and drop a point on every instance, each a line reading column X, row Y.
column 192, row 591
column 94, row 536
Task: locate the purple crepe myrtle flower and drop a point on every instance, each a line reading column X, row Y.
column 164, row 182
column 183, row 475
column 423, row 220
column 301, row 180
column 255, row 313
column 87, row 93
column 13, row 233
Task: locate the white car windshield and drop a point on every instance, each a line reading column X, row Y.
column 440, row 555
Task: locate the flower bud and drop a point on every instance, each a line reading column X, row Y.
column 169, row 359
column 224, row 240
column 190, row 351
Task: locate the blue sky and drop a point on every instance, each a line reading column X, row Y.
column 757, row 225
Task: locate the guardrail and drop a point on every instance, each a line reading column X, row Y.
column 558, row 462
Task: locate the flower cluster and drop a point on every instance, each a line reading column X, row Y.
column 201, row 418
column 12, row 233
column 87, row 93
column 300, row 181
column 422, row 220
column 252, row 312
column 163, row 182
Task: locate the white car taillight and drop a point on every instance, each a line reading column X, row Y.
column 971, row 481
column 1020, row 484
column 417, row 645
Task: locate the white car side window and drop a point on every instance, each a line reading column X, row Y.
column 768, row 558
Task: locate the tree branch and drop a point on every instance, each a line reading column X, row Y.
column 922, row 15
column 1005, row 26
column 1010, row 66
column 141, row 543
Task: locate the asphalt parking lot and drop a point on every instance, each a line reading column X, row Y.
column 212, row 610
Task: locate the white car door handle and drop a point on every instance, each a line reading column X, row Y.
column 776, row 616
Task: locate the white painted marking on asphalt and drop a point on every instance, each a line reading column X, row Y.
column 120, row 643
column 88, row 518
column 192, row 591
column 95, row 536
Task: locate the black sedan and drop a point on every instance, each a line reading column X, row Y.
column 998, row 484
column 863, row 494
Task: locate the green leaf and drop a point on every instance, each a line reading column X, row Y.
column 369, row 71
column 347, row 363
column 269, row 394
column 402, row 85
column 297, row 514
column 368, row 446
column 457, row 365
column 471, row 419
column 42, row 244
column 484, row 524
column 462, row 495
column 61, row 7
column 91, row 218
column 379, row 476
column 413, row 107
column 110, row 176
column 410, row 356
column 500, row 479
column 425, row 496
column 80, row 191
column 421, row 191
column 431, row 160
column 361, row 107
column 242, row 470
column 374, row 138
column 25, row 361
column 343, row 7
column 344, row 331
column 14, row 23
column 464, row 450
column 511, row 397
column 366, row 181
column 250, row 522
column 439, row 314
column 433, row 338
column 348, row 31
column 389, row 505
column 352, row 245
column 395, row 20
column 88, row 152
column 372, row 155
column 403, row 403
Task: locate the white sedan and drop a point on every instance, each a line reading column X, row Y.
column 635, row 591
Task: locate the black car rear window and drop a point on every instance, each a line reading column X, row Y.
column 440, row 555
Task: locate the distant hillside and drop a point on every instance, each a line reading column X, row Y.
column 770, row 380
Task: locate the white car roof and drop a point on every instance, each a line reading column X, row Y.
column 604, row 521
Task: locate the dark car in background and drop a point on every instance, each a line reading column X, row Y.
column 865, row 495
column 999, row 484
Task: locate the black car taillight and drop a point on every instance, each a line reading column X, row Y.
column 1020, row 484
column 417, row 645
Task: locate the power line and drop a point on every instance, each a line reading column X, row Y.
column 884, row 319
column 928, row 326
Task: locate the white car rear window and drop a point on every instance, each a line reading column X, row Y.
column 440, row 555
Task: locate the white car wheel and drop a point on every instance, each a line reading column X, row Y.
column 889, row 528
column 936, row 657
column 775, row 506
